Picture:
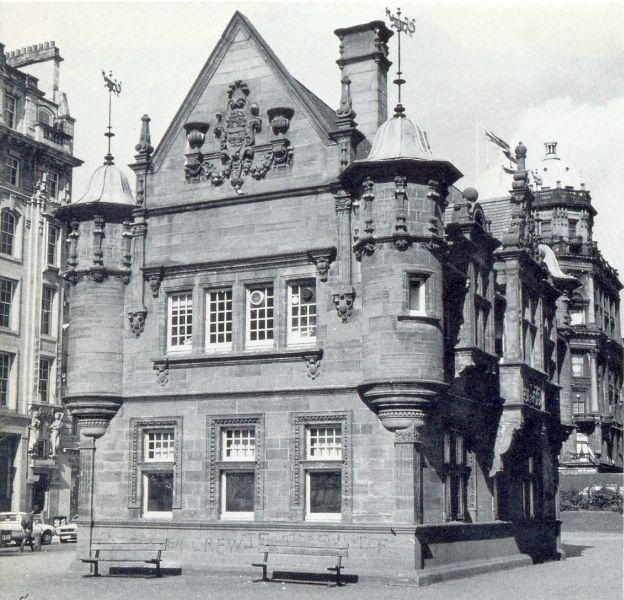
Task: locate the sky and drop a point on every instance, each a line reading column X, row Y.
column 531, row 71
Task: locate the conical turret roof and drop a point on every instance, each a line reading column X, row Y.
column 108, row 185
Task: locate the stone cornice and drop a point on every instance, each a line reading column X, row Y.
column 48, row 151
column 247, row 198
column 249, row 263
column 302, row 391
column 184, row 361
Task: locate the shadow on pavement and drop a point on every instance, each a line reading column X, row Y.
column 310, row 578
column 574, row 550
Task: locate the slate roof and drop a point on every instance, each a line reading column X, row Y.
column 498, row 212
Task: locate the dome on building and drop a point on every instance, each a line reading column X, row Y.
column 399, row 137
column 108, row 185
column 556, row 173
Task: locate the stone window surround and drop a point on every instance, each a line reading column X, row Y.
column 428, row 312
column 239, row 282
column 5, row 109
column 216, row 465
column 12, row 170
column 138, row 427
column 48, row 311
column 8, row 204
column 13, row 314
column 6, row 378
column 299, row 463
column 456, row 461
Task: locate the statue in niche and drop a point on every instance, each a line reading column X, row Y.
column 55, row 433
column 34, row 432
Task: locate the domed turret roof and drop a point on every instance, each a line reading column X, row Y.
column 399, row 137
column 401, row 147
column 108, row 185
column 557, row 173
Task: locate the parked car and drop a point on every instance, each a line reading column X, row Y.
column 12, row 532
column 68, row 532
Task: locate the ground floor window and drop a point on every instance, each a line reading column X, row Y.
column 322, row 467
column 235, row 451
column 456, row 473
column 156, row 470
column 157, row 494
column 323, row 495
column 237, row 495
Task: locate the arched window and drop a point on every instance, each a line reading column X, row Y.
column 44, row 116
column 7, row 232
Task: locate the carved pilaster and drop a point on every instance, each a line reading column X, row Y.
column 98, row 234
column 344, row 204
column 408, row 476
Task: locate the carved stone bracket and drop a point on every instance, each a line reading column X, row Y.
column 154, row 280
column 314, row 366
column 137, row 321
column 162, row 374
column 343, row 301
column 322, row 260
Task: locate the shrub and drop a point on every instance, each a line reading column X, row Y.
column 600, row 499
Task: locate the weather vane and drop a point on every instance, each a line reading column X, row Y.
column 408, row 27
column 114, row 87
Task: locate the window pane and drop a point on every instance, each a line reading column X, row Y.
column 5, row 365
column 325, row 492
column 159, row 446
column 416, row 295
column 239, row 492
column 7, row 232
column 46, row 311
column 219, row 320
column 324, row 443
column 159, row 492
column 44, row 379
column 302, row 301
column 239, row 444
column 52, row 240
column 260, row 315
column 180, row 321
column 6, row 297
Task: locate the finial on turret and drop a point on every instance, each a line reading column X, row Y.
column 113, row 86
column 408, row 27
column 345, row 110
column 144, row 147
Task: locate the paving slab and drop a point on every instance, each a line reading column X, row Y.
column 593, row 569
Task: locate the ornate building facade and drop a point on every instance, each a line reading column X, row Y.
column 564, row 219
column 36, row 152
column 298, row 329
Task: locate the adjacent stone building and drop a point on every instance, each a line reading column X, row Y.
column 298, row 329
column 36, row 155
column 564, row 219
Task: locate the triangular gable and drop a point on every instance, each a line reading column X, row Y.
column 320, row 115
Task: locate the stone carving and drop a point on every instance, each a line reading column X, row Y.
column 55, row 434
column 137, row 321
column 34, row 432
column 343, row 301
column 532, row 396
column 154, row 280
column 236, row 133
column 314, row 366
column 162, row 375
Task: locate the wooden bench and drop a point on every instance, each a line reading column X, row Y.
column 275, row 548
column 147, row 552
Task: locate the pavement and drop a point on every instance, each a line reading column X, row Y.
column 592, row 571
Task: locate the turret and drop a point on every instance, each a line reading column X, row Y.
column 98, row 269
column 402, row 189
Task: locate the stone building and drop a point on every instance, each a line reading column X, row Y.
column 564, row 217
column 36, row 155
column 299, row 330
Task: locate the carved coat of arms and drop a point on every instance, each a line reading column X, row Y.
column 235, row 130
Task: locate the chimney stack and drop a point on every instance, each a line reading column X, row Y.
column 364, row 60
